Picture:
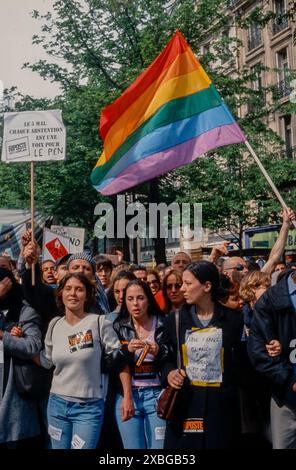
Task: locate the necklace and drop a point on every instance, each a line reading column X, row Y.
column 143, row 331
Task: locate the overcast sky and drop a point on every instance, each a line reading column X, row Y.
column 16, row 31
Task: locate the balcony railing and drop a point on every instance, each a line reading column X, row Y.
column 280, row 23
column 283, row 88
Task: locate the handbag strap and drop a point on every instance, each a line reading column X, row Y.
column 177, row 319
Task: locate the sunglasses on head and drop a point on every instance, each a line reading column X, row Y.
column 176, row 286
column 238, row 267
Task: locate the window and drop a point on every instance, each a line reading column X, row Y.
column 282, row 75
column 286, row 132
column 255, row 38
column 257, row 83
column 258, row 99
column 280, row 22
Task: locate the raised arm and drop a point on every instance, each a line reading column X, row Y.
column 219, row 250
column 279, row 246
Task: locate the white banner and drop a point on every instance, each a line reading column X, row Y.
column 75, row 234
column 34, row 136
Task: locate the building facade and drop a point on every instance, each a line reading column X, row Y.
column 270, row 54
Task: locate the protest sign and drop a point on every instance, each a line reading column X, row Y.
column 204, row 356
column 54, row 246
column 75, row 234
column 33, row 136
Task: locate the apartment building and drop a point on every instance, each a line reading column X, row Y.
column 272, row 47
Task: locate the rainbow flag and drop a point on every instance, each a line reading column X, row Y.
column 168, row 117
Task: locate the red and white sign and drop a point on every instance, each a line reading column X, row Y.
column 75, row 234
column 54, row 246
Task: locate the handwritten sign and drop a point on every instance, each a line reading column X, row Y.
column 204, row 356
column 33, row 136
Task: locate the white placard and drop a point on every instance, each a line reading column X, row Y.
column 204, row 355
column 55, row 433
column 34, row 136
column 54, row 245
column 75, row 234
column 77, row 442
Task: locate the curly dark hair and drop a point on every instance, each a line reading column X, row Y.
column 89, row 287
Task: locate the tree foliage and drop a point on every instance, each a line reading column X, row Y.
column 105, row 45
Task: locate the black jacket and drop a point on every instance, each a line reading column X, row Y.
column 216, row 406
column 275, row 318
column 126, row 332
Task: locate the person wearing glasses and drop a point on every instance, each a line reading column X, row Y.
column 153, row 281
column 172, row 293
column 235, row 265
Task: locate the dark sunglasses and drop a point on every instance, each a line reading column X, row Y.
column 176, row 286
column 238, row 267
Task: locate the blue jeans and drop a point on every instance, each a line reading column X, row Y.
column 74, row 425
column 145, row 430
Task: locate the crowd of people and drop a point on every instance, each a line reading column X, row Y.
column 107, row 335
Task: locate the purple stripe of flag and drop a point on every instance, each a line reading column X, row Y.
column 174, row 157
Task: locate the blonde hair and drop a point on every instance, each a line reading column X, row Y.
column 251, row 281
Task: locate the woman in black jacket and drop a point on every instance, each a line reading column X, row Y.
column 207, row 412
column 140, row 329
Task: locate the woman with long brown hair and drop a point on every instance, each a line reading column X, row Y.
column 73, row 345
column 171, row 288
column 140, row 329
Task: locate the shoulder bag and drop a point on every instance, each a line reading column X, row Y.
column 168, row 397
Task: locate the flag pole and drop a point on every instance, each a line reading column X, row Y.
column 32, row 219
column 269, row 180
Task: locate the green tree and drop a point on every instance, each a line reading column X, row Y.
column 62, row 189
column 106, row 44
